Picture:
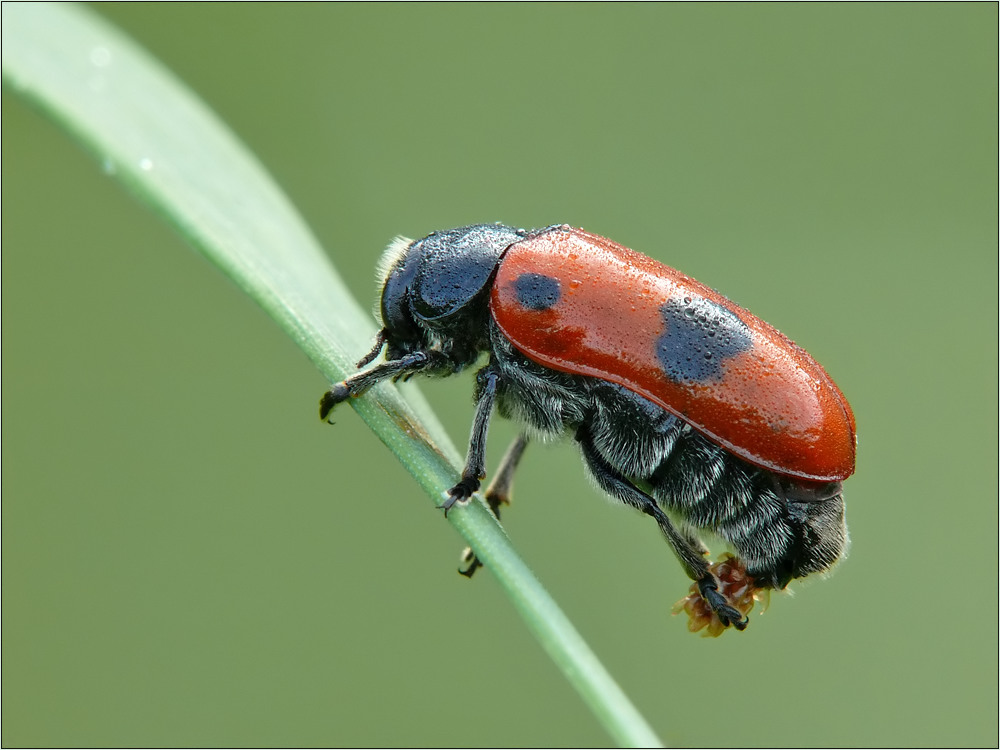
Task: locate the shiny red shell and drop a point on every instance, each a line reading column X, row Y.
column 582, row 304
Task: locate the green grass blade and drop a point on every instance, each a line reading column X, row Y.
column 169, row 149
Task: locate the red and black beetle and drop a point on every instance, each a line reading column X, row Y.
column 682, row 402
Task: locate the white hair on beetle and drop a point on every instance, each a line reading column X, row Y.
column 392, row 255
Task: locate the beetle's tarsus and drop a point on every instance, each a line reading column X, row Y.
column 728, row 614
column 468, row 563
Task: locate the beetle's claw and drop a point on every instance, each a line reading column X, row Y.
column 727, row 614
column 460, row 493
column 338, row 394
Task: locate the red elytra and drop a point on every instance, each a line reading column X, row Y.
column 769, row 402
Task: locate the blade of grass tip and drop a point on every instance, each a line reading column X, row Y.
column 155, row 136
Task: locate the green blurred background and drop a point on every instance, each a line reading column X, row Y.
column 191, row 558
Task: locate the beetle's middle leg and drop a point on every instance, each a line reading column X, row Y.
column 497, row 494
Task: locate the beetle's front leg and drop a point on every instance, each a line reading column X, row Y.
column 356, row 385
column 475, row 461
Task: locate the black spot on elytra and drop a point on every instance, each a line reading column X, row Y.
column 536, row 291
column 698, row 335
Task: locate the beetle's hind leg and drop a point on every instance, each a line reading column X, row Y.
column 497, row 494
column 690, row 554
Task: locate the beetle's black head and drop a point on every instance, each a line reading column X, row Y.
column 435, row 292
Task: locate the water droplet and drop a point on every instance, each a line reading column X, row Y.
column 100, row 57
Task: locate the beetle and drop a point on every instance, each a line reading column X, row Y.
column 684, row 405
